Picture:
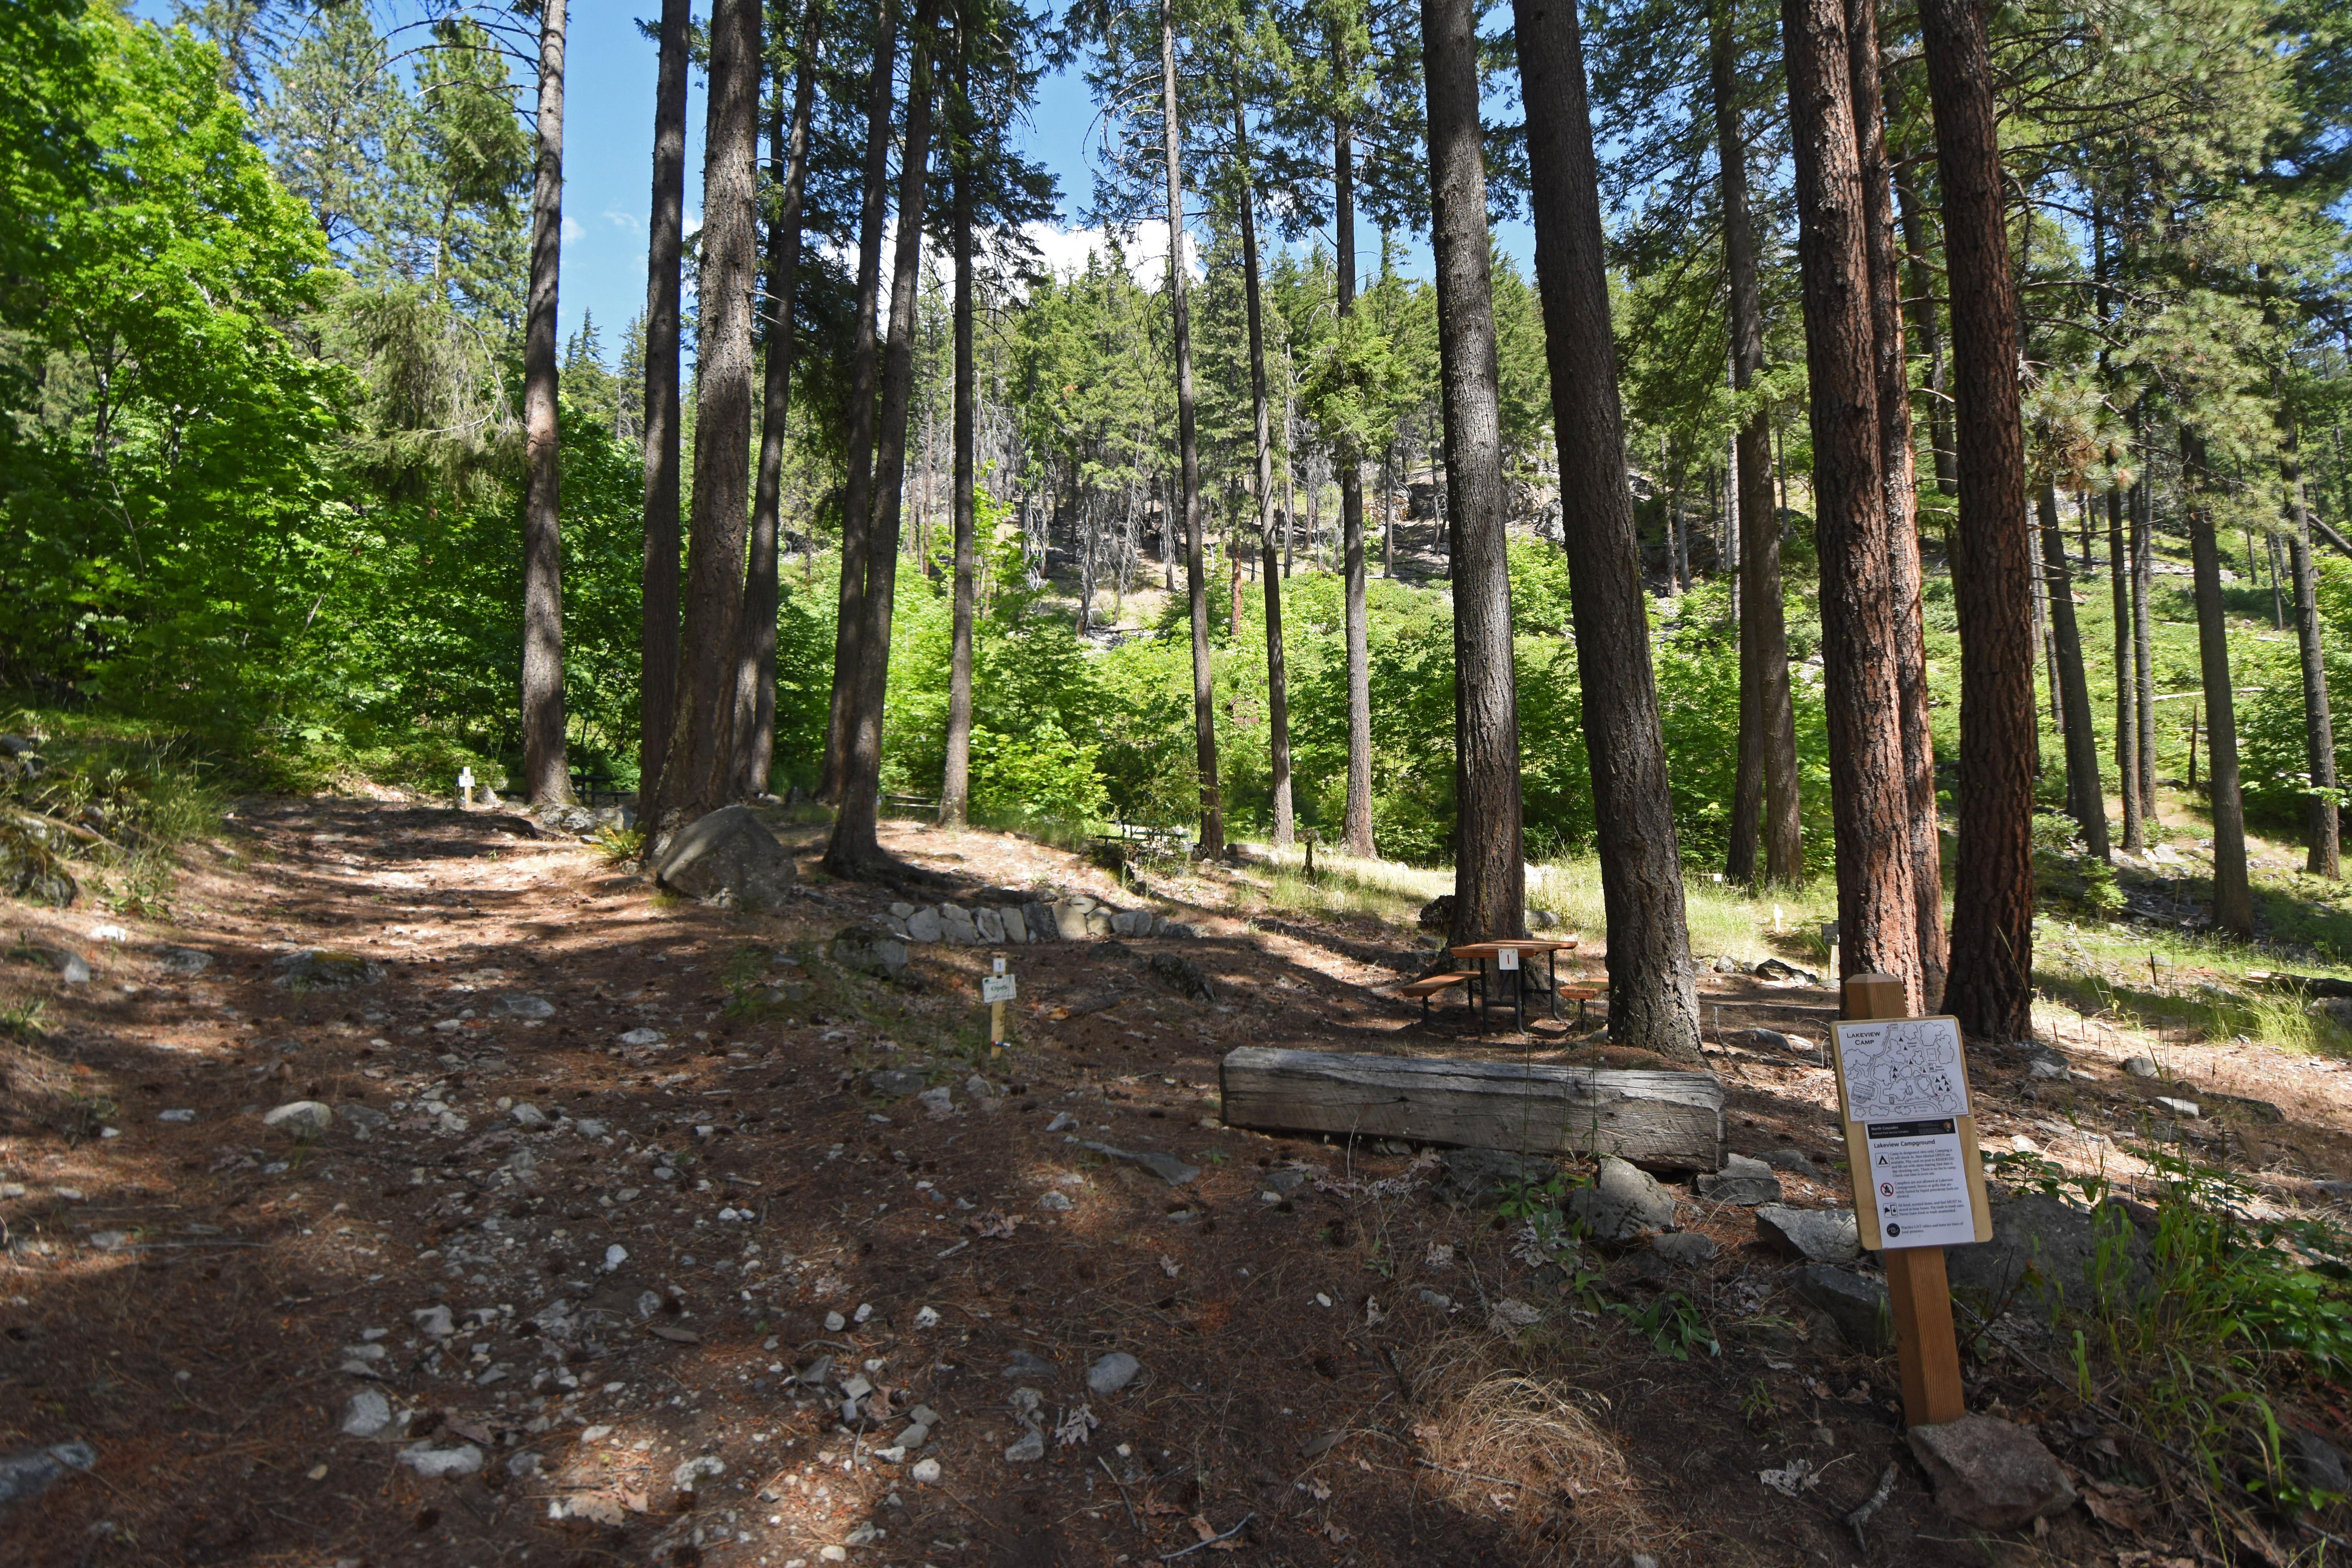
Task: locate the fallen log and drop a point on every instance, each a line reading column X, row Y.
column 1668, row 1120
column 2313, row 986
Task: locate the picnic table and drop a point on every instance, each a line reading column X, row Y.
column 1509, row 955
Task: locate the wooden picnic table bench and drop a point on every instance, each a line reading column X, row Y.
column 1509, row 954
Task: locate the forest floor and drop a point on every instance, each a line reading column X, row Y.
column 591, row 1261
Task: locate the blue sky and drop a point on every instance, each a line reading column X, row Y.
column 608, row 164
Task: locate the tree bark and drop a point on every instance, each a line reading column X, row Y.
column 1920, row 286
column 2143, row 638
column 699, row 777
column 858, row 481
column 1356, row 828
column 1989, row 985
column 2126, row 705
column 854, row 848
column 1489, row 861
column 1188, row 452
column 1652, row 993
column 955, row 780
column 1277, row 684
column 2233, row 897
column 547, row 778
column 1764, row 806
column 2086, row 797
column 1898, row 484
column 755, row 679
column 2324, row 859
column 1869, row 783
column 664, row 228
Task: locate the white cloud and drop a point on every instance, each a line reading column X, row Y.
column 1066, row 250
column 627, row 222
column 571, row 229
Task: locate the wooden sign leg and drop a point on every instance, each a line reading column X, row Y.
column 1925, row 1341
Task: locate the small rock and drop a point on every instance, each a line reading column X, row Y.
column 528, row 1115
column 178, row 1114
column 1166, row 1167
column 315, row 969
column 1031, row 1448
column 108, row 933
column 1282, row 1184
column 939, row 1101
column 1989, row 1473
column 1112, row 1373
column 1795, row 1161
column 1028, row 1363
column 1763, row 1040
column 926, row 1472
column 614, row 1256
column 1622, row 1203
column 1817, row 1236
column 366, row 1118
column 32, row 1471
column 1685, row 1249
column 72, row 970
column 1474, row 1178
column 642, row 1038
column 524, row 1007
column 1017, row 925
column 703, row 1467
column 1743, row 1181
column 1062, row 1122
column 2142, row 1067
column 834, row 1323
column 1776, row 971
column 368, row 1412
column 1185, row 975
column 433, row 1322
column 589, row 1127
column 451, row 1123
column 434, row 1464
column 989, row 924
column 923, row 925
column 2181, row 1108
column 303, row 1117
column 2316, row 1462
column 1056, row 1203
column 870, row 951
column 1859, row 1307
column 1510, row 1313
column 173, row 959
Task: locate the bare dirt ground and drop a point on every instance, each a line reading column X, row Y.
column 620, row 1266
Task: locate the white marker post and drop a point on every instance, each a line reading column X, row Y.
column 996, row 989
column 465, row 786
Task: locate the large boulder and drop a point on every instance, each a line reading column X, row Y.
column 2046, row 1250
column 1742, row 1181
column 1859, row 1306
column 315, row 969
column 1989, row 1473
column 728, row 856
column 1816, row 1235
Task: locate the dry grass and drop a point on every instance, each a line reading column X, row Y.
column 1508, row 1445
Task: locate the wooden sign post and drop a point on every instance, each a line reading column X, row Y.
column 996, row 989
column 1918, row 1183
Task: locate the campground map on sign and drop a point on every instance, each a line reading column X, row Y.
column 1902, row 1070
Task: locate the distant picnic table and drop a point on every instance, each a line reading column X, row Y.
column 1506, row 955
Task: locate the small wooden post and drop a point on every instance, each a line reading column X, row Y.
column 996, row 1014
column 1917, row 1287
column 1310, row 854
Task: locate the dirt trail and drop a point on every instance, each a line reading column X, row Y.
column 623, row 1198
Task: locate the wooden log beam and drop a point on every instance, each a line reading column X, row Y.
column 1668, row 1120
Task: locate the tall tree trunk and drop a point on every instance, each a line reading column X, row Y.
column 1653, row 994
column 1897, row 485
column 2086, row 797
column 755, row 679
column 2126, row 707
column 865, row 370
column 1869, row 786
column 546, row 776
column 665, row 227
column 1989, row 987
column 1920, row 286
column 1188, row 451
column 2143, row 637
column 2233, row 897
column 699, row 777
column 955, row 780
column 1764, row 798
column 1277, row 684
column 854, row 847
column 1489, row 860
column 2318, row 723
column 1356, row 827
